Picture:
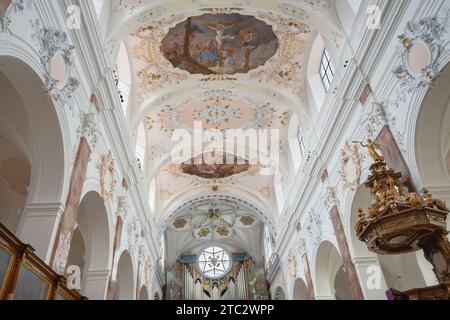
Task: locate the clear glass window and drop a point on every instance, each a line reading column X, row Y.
column 327, row 70
column 214, row 262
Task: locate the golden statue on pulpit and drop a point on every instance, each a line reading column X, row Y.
column 372, row 147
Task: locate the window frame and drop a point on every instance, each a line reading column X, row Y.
column 326, row 70
column 301, row 140
column 225, row 257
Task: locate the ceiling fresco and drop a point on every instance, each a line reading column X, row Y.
column 227, row 64
column 217, row 166
column 220, row 109
column 219, row 44
column 275, row 60
column 172, row 180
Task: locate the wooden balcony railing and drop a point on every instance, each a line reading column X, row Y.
column 24, row 276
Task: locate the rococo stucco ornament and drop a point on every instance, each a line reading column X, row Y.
column 301, row 245
column 89, row 128
column 330, row 198
column 107, row 176
column 351, row 166
column 122, row 206
column 375, row 120
column 7, row 9
column 54, row 44
column 133, row 232
column 426, row 37
column 292, row 264
column 314, row 229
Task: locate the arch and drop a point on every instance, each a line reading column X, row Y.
column 77, row 251
column 176, row 210
column 331, row 281
column 432, row 124
column 300, row 290
column 33, row 118
column 94, row 228
column 341, row 286
column 143, row 294
column 125, row 278
column 35, row 131
column 15, row 174
column 93, row 219
column 251, row 196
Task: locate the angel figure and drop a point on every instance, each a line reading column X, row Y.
column 372, row 147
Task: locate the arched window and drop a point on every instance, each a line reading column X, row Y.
column 301, row 140
column 327, row 70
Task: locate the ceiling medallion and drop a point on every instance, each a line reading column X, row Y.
column 203, row 232
column 218, row 170
column 247, row 220
column 223, row 231
column 217, row 113
column 180, row 223
column 107, row 176
column 218, row 44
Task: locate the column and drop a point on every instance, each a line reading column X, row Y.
column 307, row 270
column 345, row 254
column 39, row 226
column 69, row 217
column 309, row 281
column 372, row 277
column 96, row 284
column 116, row 246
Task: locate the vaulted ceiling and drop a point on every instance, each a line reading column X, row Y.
column 229, row 64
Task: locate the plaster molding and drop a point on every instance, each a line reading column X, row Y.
column 430, row 32
column 52, row 42
column 15, row 6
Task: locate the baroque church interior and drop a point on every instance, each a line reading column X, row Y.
column 115, row 185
